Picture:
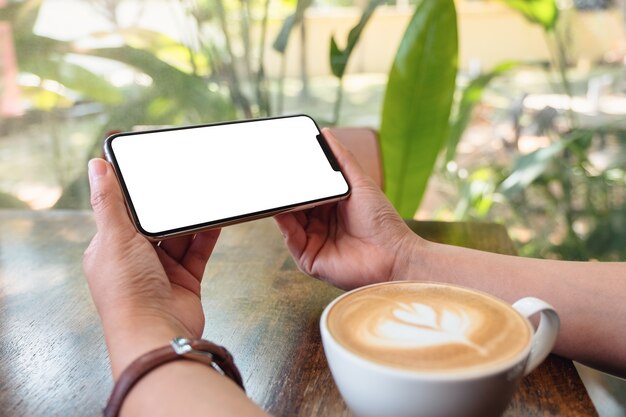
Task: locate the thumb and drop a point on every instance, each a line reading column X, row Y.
column 347, row 161
column 107, row 201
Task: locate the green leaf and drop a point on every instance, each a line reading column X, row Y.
column 47, row 58
column 472, row 94
column 355, row 33
column 141, row 38
column 76, row 78
column 44, row 99
column 609, row 235
column 339, row 58
column 22, row 15
column 417, row 102
column 476, row 196
column 541, row 12
column 33, row 47
column 162, row 46
column 529, row 167
column 337, row 62
column 190, row 91
column 9, row 201
column 281, row 41
column 10, row 12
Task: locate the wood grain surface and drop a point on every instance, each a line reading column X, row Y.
column 53, row 360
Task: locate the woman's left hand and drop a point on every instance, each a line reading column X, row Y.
column 145, row 293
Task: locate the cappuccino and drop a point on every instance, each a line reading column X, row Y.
column 428, row 327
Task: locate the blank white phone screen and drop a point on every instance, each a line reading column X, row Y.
column 192, row 176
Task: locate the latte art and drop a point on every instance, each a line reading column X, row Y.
column 428, row 327
column 418, row 325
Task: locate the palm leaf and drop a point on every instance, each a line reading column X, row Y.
column 417, row 102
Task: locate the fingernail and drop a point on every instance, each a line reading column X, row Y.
column 97, row 168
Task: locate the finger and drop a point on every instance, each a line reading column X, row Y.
column 107, row 201
column 319, row 224
column 177, row 247
column 173, row 269
column 167, row 261
column 293, row 232
column 199, row 251
column 301, row 217
column 346, row 159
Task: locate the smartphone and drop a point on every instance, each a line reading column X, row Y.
column 182, row 180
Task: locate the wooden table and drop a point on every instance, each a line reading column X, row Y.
column 53, row 360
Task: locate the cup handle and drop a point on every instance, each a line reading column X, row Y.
column 545, row 336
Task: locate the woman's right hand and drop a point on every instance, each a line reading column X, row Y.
column 354, row 242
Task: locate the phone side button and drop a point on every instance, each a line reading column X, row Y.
column 329, row 154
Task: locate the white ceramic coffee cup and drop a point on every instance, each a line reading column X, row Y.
column 374, row 390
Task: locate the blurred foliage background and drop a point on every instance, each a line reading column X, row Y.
column 534, row 140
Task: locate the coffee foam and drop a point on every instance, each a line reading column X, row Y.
column 428, row 327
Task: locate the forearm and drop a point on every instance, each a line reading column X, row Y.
column 589, row 296
column 190, row 389
column 179, row 387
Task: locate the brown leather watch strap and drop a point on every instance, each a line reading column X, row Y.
column 197, row 350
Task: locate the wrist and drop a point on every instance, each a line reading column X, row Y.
column 411, row 258
column 129, row 339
